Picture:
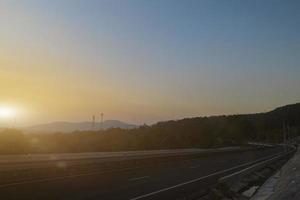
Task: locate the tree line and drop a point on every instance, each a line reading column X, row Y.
column 200, row 132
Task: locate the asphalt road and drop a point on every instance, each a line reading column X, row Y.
column 161, row 180
column 37, row 161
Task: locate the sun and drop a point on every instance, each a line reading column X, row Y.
column 7, row 112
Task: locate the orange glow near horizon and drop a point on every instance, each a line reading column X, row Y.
column 66, row 61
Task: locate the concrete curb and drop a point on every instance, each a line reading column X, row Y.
column 267, row 188
column 280, row 185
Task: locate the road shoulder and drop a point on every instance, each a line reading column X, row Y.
column 285, row 184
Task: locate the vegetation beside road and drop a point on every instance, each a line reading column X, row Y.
column 201, row 132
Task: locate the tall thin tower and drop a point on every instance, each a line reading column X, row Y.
column 93, row 122
column 102, row 116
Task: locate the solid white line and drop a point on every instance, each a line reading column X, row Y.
column 195, row 180
column 78, row 175
column 230, row 175
column 235, row 173
column 138, row 178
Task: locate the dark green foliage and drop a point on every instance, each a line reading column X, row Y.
column 201, row 132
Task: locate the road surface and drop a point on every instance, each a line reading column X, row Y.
column 157, row 180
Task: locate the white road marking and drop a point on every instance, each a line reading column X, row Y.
column 94, row 173
column 138, row 178
column 197, row 179
column 230, row 175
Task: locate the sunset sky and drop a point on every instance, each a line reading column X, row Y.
column 143, row 61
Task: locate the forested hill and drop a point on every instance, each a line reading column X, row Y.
column 202, row 132
column 220, row 130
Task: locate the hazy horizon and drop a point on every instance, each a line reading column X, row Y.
column 146, row 61
column 12, row 124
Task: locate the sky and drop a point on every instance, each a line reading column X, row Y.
column 143, row 61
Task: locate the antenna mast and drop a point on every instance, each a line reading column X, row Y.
column 102, row 116
column 93, row 122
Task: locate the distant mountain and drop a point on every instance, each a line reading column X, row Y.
column 78, row 126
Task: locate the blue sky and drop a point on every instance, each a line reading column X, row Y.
column 145, row 61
